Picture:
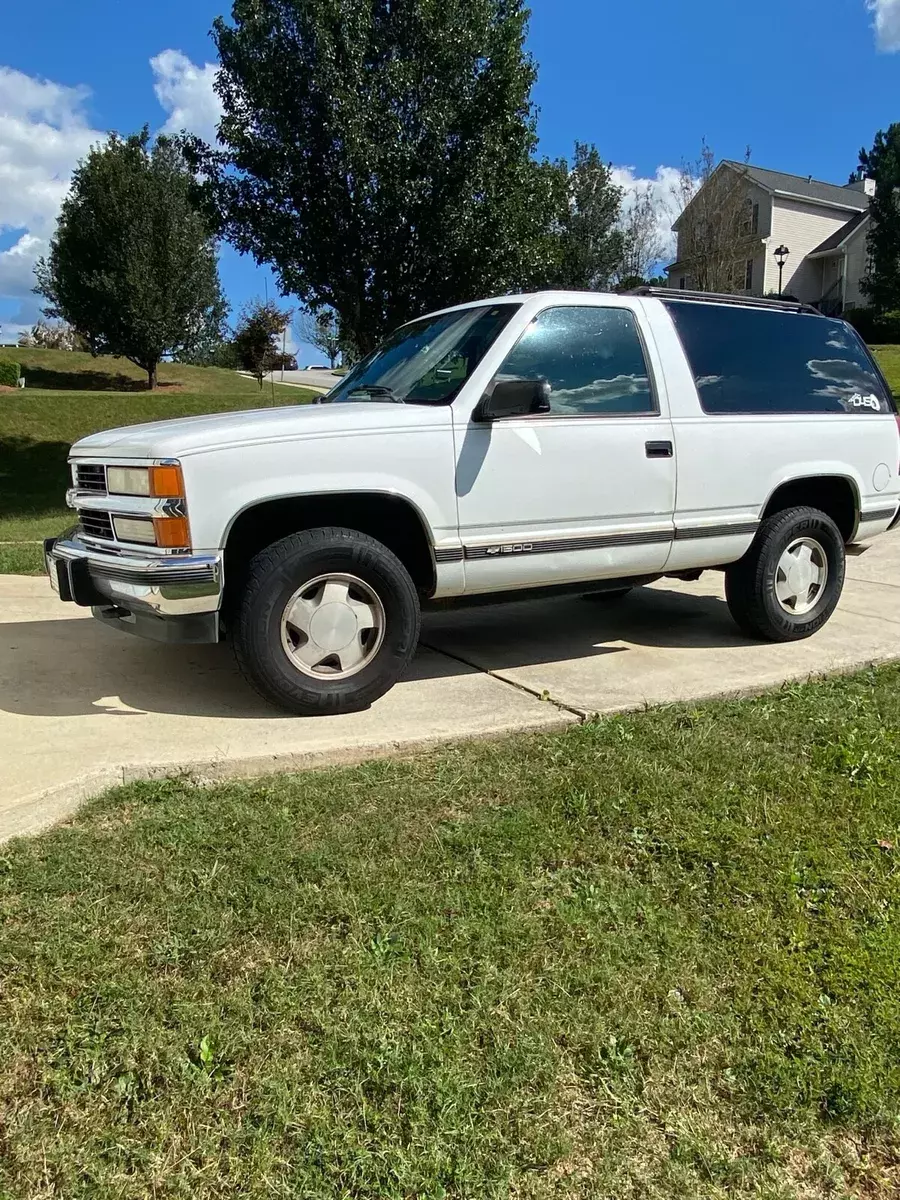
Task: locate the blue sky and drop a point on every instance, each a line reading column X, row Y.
column 804, row 83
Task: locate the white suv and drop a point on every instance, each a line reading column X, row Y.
column 559, row 440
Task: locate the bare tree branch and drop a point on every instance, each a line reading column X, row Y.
column 643, row 243
column 715, row 230
column 322, row 331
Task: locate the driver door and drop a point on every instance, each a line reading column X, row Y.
column 585, row 491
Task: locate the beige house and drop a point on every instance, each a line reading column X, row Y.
column 823, row 226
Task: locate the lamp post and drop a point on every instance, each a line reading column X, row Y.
column 780, row 255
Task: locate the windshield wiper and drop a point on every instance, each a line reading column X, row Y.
column 376, row 391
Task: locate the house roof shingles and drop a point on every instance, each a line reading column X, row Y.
column 801, row 185
column 840, row 235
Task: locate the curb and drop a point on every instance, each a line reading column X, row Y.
column 42, row 810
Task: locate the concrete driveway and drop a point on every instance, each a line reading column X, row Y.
column 83, row 707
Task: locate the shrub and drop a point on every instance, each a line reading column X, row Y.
column 9, row 373
column 873, row 327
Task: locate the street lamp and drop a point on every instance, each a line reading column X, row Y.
column 780, row 255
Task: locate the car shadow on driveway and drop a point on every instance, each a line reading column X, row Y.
column 500, row 637
column 74, row 667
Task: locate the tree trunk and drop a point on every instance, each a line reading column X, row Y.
column 151, row 377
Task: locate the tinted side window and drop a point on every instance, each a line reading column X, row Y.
column 592, row 358
column 749, row 360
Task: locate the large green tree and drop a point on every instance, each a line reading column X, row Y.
column 589, row 246
column 882, row 163
column 133, row 265
column 379, row 153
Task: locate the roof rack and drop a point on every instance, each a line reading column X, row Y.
column 662, row 293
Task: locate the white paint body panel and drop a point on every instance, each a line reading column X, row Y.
column 541, row 478
column 502, row 490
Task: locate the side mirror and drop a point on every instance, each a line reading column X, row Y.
column 514, row 398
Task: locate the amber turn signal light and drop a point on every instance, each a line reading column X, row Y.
column 173, row 533
column 166, row 482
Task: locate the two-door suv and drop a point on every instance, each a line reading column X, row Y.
column 559, row 440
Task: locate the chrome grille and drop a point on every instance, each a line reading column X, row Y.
column 90, row 477
column 96, row 524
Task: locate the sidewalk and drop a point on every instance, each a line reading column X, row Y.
column 83, row 708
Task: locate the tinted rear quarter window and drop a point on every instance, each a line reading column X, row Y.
column 754, row 360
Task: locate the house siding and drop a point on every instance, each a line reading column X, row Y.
column 756, row 195
column 801, row 227
column 857, row 261
column 832, row 272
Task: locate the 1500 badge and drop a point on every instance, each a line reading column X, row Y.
column 513, row 548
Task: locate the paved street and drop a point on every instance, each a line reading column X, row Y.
column 322, row 381
column 83, row 707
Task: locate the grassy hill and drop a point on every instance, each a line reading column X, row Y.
column 69, row 395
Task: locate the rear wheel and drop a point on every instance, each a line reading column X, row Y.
column 789, row 582
column 327, row 623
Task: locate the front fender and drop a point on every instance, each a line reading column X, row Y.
column 224, row 483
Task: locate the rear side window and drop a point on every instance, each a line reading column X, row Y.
column 754, row 360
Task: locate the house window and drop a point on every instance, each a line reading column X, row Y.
column 748, row 276
column 754, row 220
column 682, row 282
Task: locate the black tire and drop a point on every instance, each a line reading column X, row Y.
column 750, row 582
column 611, row 596
column 277, row 573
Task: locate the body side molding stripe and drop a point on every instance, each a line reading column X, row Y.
column 448, row 554
column 741, row 528
column 878, row 514
column 597, row 541
column 601, row 541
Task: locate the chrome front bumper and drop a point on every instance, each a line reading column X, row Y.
column 167, row 597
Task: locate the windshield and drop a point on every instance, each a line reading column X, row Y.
column 427, row 361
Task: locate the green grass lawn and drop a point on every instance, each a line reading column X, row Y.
column 70, row 395
column 654, row 957
column 889, row 361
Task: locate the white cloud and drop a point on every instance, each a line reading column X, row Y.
column 186, row 93
column 662, row 189
column 887, row 23
column 43, row 132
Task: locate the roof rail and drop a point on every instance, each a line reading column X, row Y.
column 662, row 293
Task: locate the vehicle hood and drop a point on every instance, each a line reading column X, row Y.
column 194, row 435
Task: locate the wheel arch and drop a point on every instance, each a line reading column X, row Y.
column 390, row 517
column 835, row 494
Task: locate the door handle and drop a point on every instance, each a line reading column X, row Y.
column 659, row 449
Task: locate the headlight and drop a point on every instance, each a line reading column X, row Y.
column 165, row 482
column 171, row 533
column 128, row 481
column 134, row 529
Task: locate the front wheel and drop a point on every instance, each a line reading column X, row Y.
column 789, row 582
column 327, row 623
